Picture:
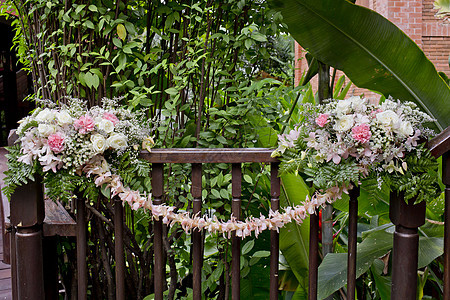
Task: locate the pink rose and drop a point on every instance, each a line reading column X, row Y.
column 112, row 117
column 361, row 133
column 56, row 142
column 84, row 124
column 322, row 119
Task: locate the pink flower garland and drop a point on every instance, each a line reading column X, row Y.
column 274, row 221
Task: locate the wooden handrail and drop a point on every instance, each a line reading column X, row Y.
column 209, row 155
column 440, row 143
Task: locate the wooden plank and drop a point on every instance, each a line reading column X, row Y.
column 5, row 284
column 5, row 295
column 5, row 273
column 57, row 220
column 210, row 155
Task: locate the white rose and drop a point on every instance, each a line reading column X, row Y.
column 358, row 103
column 45, row 115
column 344, row 123
column 388, row 118
column 343, row 106
column 45, row 130
column 64, row 117
column 117, row 141
column 98, row 143
column 405, row 129
column 106, row 125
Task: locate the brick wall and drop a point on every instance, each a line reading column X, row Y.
column 437, row 49
column 416, row 18
column 435, row 38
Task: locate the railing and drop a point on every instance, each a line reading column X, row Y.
column 27, row 219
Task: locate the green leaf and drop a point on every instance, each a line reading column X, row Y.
column 382, row 283
column 429, row 249
column 117, row 43
column 248, row 179
column 121, row 32
column 261, row 253
column 171, row 91
column 333, row 269
column 294, row 239
column 92, row 7
column 91, row 80
column 221, row 140
column 259, row 37
column 248, row 247
column 79, row 8
column 443, row 7
column 89, row 24
column 367, row 53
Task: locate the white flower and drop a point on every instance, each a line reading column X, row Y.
column 343, row 106
column 98, row 143
column 45, row 115
column 388, row 118
column 344, row 123
column 405, row 129
column 106, row 125
column 117, row 141
column 45, row 130
column 358, row 103
column 64, row 117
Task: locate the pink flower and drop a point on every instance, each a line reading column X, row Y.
column 84, row 124
column 322, row 119
column 361, row 133
column 56, row 142
column 111, row 117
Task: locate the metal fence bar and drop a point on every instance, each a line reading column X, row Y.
column 197, row 253
column 235, row 240
column 446, row 181
column 81, row 248
column 313, row 255
column 274, row 235
column 118, row 249
column 352, row 242
column 159, row 266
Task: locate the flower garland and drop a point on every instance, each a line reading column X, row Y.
column 98, row 168
column 73, row 140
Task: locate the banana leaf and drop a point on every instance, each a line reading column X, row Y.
column 372, row 51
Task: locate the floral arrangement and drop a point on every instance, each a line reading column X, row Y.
column 352, row 140
column 74, row 149
column 57, row 142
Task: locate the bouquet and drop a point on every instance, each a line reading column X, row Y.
column 56, row 143
column 346, row 142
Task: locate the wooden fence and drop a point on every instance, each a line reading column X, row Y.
column 30, row 251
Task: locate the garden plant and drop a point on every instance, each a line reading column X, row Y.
column 178, row 74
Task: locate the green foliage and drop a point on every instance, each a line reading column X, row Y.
column 419, row 181
column 329, row 175
column 18, row 173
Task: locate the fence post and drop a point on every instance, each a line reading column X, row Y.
column 407, row 217
column 27, row 217
column 446, row 181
